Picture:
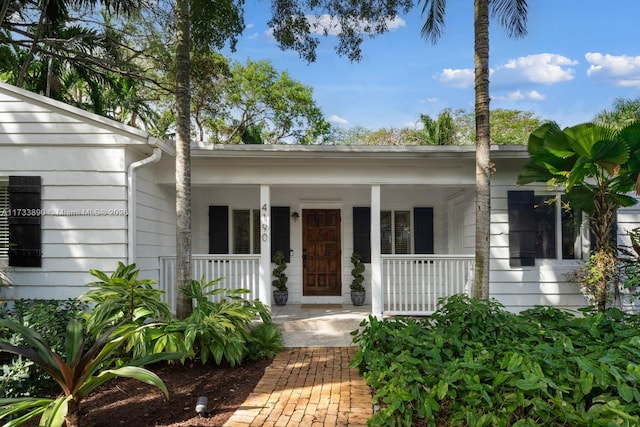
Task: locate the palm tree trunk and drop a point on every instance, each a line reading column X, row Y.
column 483, row 142
column 36, row 39
column 183, row 159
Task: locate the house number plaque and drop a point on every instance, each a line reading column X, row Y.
column 265, row 223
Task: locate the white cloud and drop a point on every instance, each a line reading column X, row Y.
column 461, row 78
column 431, row 100
column 620, row 70
column 542, row 68
column 337, row 119
column 518, row 95
column 330, row 25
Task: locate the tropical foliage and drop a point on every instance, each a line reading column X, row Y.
column 597, row 166
column 123, row 297
column 623, row 113
column 220, row 330
column 130, row 327
column 475, row 364
column 22, row 377
column 79, row 370
column 219, row 327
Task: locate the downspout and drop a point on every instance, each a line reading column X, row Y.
column 131, row 203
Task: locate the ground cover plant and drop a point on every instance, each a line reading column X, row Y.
column 474, row 364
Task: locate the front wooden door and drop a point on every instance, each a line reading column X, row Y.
column 321, row 252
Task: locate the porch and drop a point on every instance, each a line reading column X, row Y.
column 410, row 285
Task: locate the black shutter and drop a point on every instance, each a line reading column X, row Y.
column 362, row 233
column 280, row 231
column 218, row 229
column 522, row 229
column 25, row 229
column 423, row 230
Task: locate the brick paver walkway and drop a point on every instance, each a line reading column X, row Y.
column 307, row 386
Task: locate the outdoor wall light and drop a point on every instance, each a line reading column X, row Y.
column 295, row 216
column 201, row 405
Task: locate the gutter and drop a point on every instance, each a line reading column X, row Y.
column 131, row 203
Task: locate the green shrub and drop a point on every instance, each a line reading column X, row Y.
column 265, row 340
column 122, row 296
column 20, row 377
column 219, row 330
column 78, row 370
column 474, row 364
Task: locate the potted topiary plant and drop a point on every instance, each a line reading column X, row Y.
column 358, row 291
column 281, row 292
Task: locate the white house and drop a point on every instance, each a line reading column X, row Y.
column 101, row 192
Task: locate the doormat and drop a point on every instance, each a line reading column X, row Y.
column 323, row 306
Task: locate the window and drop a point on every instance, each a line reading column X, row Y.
column 395, row 232
column 240, row 234
column 537, row 223
column 401, row 231
column 246, row 231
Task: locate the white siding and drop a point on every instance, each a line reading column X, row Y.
column 520, row 288
column 82, row 159
column 155, row 223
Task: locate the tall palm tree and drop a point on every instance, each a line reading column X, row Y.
column 203, row 18
column 512, row 14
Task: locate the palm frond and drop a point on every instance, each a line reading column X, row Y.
column 434, row 25
column 512, row 15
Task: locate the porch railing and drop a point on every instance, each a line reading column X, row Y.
column 413, row 284
column 239, row 272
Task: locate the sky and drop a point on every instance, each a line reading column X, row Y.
column 577, row 58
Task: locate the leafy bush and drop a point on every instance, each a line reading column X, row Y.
column 122, row 296
column 219, row 329
column 473, row 363
column 21, row 377
column 265, row 340
column 78, row 370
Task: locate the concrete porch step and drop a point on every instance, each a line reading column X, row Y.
column 318, row 325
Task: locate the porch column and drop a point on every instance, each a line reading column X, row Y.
column 376, row 264
column 264, row 285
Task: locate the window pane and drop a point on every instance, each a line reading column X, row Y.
column 241, row 232
column 571, row 222
column 4, row 219
column 545, row 215
column 256, row 231
column 402, row 229
column 385, row 232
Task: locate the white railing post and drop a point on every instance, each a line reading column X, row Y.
column 264, row 293
column 376, row 265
